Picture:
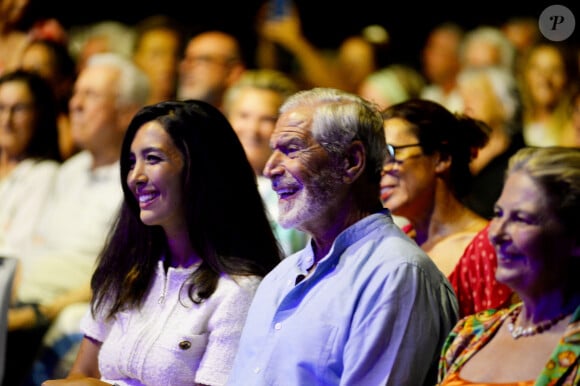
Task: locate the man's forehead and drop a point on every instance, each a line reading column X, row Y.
column 299, row 118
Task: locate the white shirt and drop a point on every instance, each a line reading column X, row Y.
column 23, row 196
column 73, row 229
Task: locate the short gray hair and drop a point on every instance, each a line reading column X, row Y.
column 340, row 118
column 556, row 171
column 261, row 79
column 505, row 88
column 494, row 36
column 134, row 87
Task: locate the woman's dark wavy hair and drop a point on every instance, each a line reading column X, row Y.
column 43, row 143
column 226, row 217
column 452, row 135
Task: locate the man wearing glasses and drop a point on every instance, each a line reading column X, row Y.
column 211, row 63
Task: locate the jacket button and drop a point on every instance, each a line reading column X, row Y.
column 185, row 345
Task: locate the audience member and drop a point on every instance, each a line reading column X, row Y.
column 183, row 262
column 159, row 44
column 426, row 175
column 48, row 28
column 282, row 45
column 571, row 134
column 283, row 34
column 391, row 85
column 360, row 55
column 490, row 94
column 486, row 46
column 548, row 73
column 251, row 105
column 53, row 61
column 212, row 62
column 98, row 37
column 56, row 267
column 13, row 35
column 523, row 32
column 361, row 303
column 440, row 59
column 29, row 155
column 534, row 232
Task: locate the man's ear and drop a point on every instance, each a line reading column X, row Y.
column 354, row 162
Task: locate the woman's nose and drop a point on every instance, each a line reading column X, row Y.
column 497, row 232
column 388, row 167
column 136, row 175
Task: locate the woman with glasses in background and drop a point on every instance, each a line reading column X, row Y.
column 29, row 155
column 426, row 174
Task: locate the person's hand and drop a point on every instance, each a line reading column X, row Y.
column 286, row 30
column 75, row 382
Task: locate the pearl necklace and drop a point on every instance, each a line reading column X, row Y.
column 519, row 331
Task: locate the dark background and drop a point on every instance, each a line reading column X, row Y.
column 325, row 23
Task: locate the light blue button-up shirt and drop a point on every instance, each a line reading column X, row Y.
column 375, row 311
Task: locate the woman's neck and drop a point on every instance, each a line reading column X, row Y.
column 181, row 251
column 548, row 306
column 449, row 216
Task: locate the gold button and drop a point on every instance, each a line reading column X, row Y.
column 185, row 345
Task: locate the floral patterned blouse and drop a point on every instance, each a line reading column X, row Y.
column 471, row 333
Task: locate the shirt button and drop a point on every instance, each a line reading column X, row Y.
column 278, row 326
column 256, row 370
column 185, row 345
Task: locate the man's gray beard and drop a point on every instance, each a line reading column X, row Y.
column 312, row 201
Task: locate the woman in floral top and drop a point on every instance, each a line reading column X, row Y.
column 535, row 234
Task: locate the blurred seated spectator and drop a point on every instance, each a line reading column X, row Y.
column 523, row 32
column 211, row 63
column 362, row 54
column 55, row 268
column 548, row 74
column 98, row 37
column 491, row 95
column 440, row 59
column 159, row 44
column 52, row 60
column 29, row 156
column 486, row 46
column 391, row 85
column 13, row 34
column 251, row 105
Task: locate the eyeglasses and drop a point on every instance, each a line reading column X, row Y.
column 207, row 60
column 16, row 109
column 392, row 151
